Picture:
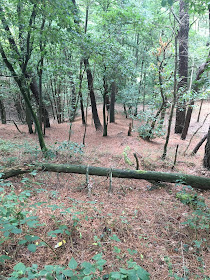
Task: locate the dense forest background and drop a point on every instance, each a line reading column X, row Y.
column 56, row 55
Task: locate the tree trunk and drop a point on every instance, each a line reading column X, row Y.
column 200, row 143
column 96, row 119
column 125, row 110
column 187, row 120
column 112, row 103
column 206, row 159
column 183, row 64
column 73, row 102
column 35, row 90
column 105, row 103
column 201, row 70
column 2, row 112
column 104, row 116
column 19, row 106
column 173, row 104
column 80, row 93
column 199, row 113
column 191, row 180
column 29, row 120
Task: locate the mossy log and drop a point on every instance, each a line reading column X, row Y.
column 191, row 180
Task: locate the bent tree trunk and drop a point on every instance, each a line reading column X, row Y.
column 206, row 160
column 193, row 181
column 200, row 143
column 96, row 119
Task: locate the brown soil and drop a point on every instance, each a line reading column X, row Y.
column 146, row 218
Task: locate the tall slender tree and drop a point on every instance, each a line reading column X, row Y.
column 183, row 64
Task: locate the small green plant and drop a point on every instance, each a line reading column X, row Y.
column 125, row 154
column 199, row 219
column 6, row 147
column 173, row 274
column 67, row 150
column 85, row 270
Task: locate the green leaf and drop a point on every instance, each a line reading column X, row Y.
column 117, row 250
column 16, row 231
column 170, row 2
column 88, row 268
column 33, row 173
column 115, row 275
column 115, row 238
column 87, row 278
column 31, row 237
column 132, row 252
column 101, row 262
column 32, row 248
column 3, row 258
column 164, row 3
column 97, row 257
column 142, row 274
column 73, row 263
column 68, row 273
column 20, row 267
column 23, row 241
column 49, row 268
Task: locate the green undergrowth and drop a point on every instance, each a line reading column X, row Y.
column 21, row 226
column 197, row 223
column 37, row 222
column 12, row 153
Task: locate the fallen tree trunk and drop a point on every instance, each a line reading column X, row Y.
column 18, row 170
column 191, row 180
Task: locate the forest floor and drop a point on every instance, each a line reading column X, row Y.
column 147, row 219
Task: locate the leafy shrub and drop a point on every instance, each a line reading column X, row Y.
column 144, row 129
column 68, row 150
column 75, row 271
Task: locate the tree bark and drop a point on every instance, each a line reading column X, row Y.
column 35, row 90
column 201, row 70
column 199, row 113
column 183, row 64
column 105, row 104
column 96, row 119
column 187, row 120
column 80, row 93
column 112, row 102
column 206, row 159
column 2, row 112
column 173, row 104
column 73, row 101
column 194, row 181
column 200, row 143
